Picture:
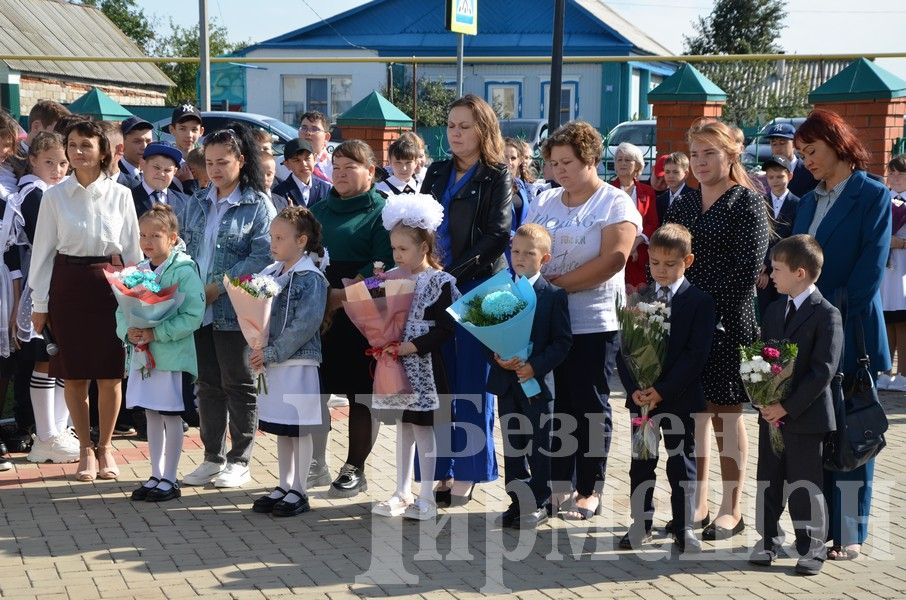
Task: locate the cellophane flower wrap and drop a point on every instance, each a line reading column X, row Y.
column 766, row 370
column 252, row 296
column 143, row 303
column 644, row 329
column 379, row 307
column 499, row 313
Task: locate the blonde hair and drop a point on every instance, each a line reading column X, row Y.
column 538, row 234
column 679, row 159
column 490, row 140
column 724, row 138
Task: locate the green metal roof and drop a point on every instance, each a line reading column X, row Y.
column 374, row 110
column 687, row 84
column 861, row 80
column 99, row 105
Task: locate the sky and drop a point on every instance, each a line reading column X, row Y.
column 838, row 26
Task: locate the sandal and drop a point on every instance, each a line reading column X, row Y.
column 851, row 552
column 107, row 468
column 88, row 466
column 577, row 513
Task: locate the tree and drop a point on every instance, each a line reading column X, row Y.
column 433, row 100
column 738, row 27
column 183, row 41
column 126, row 15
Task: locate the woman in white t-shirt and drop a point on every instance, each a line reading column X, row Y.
column 593, row 226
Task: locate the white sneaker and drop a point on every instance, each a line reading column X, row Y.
column 421, row 510
column 234, row 475
column 337, row 401
column 68, row 438
column 203, row 474
column 5, row 465
column 393, row 507
column 57, row 449
column 897, row 384
column 884, row 381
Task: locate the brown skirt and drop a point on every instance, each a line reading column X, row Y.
column 82, row 317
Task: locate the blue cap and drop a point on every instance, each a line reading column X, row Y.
column 781, row 130
column 777, row 161
column 161, row 149
column 133, row 123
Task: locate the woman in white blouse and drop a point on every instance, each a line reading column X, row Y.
column 593, row 226
column 86, row 223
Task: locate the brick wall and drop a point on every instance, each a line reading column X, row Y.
column 33, row 88
column 879, row 123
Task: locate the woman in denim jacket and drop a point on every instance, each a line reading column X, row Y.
column 291, row 408
column 226, row 230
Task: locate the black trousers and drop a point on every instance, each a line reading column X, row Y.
column 525, row 426
column 797, row 474
column 679, row 441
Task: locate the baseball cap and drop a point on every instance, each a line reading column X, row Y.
column 133, row 123
column 781, row 130
column 295, row 146
column 658, row 170
column 162, row 149
column 778, row 161
column 185, row 111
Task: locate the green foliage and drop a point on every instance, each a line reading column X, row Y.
column 183, row 41
column 433, row 100
column 738, row 27
column 126, row 15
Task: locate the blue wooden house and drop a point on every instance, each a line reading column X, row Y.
column 602, row 93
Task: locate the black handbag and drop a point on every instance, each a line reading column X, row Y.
column 861, row 422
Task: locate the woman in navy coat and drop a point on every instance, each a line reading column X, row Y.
column 849, row 214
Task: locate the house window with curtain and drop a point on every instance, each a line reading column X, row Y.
column 331, row 95
column 505, row 97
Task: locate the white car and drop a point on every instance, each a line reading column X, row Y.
column 639, row 133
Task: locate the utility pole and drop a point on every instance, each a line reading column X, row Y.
column 204, row 53
column 460, row 51
column 553, row 116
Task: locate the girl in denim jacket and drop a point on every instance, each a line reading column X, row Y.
column 292, row 406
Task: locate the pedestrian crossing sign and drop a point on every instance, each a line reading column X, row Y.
column 462, row 16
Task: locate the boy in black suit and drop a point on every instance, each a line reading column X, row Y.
column 783, row 206
column 525, row 423
column 302, row 187
column 676, row 168
column 806, row 413
column 159, row 164
column 677, row 393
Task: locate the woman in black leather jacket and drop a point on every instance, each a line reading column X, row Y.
column 475, row 189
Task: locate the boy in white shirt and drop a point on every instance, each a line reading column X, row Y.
column 404, row 163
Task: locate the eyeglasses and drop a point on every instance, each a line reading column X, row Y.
column 306, row 129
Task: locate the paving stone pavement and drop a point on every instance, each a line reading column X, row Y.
column 64, row 539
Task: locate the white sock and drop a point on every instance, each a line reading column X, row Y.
column 172, row 446
column 155, row 442
column 42, row 403
column 286, row 459
column 304, row 448
column 426, row 447
column 60, row 410
column 405, row 458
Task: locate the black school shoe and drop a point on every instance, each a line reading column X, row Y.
column 508, row 517
column 715, row 532
column 265, row 504
column 635, row 538
column 349, row 482
column 140, row 494
column 291, row 509
column 161, row 495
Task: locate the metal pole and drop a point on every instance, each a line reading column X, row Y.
column 414, row 97
column 460, row 51
column 390, row 81
column 204, row 54
column 553, row 116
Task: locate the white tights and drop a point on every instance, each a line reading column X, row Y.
column 409, row 440
column 165, row 437
column 293, row 461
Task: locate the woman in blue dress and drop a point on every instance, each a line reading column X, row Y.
column 475, row 189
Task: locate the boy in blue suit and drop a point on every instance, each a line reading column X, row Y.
column 677, row 393
column 805, row 414
column 783, row 205
column 160, row 163
column 527, row 446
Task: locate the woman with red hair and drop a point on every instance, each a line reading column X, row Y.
column 849, row 214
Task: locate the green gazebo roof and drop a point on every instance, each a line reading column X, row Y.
column 861, row 80
column 687, row 84
column 374, row 110
column 99, row 105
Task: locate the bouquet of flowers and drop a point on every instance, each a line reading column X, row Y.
column 379, row 307
column 644, row 328
column 766, row 370
column 251, row 296
column 143, row 303
column 499, row 313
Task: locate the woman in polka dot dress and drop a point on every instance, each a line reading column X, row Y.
column 730, row 229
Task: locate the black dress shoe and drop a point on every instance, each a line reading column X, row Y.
column 715, row 532
column 443, row 498
column 668, row 528
column 349, row 482
column 140, row 493
column 508, row 517
column 687, row 542
column 809, row 566
column 265, row 504
column 635, row 537
column 318, row 475
column 532, row 520
column 763, row 557
column 161, row 495
column 291, row 509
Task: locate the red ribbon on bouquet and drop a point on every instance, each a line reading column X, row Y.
column 639, row 421
column 149, row 359
column 376, row 352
